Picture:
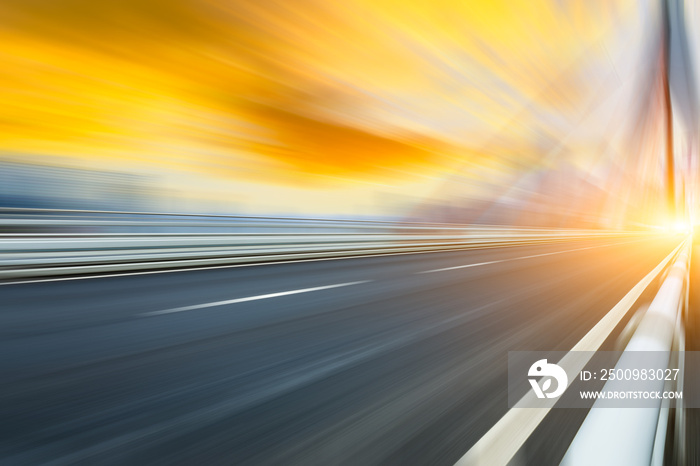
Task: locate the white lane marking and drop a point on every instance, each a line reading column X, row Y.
column 287, row 381
column 249, row 298
column 289, row 261
column 469, row 265
column 524, row 257
column 500, row 444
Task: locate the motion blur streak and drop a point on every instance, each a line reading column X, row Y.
column 524, row 112
column 308, row 232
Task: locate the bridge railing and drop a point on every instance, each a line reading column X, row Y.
column 36, row 242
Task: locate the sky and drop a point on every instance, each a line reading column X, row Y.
column 316, row 107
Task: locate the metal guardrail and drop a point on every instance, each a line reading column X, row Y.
column 501, row 444
column 37, row 242
column 613, row 436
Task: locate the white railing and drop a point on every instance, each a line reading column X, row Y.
column 636, row 436
column 36, row 242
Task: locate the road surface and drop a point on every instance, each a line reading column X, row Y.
column 393, row 360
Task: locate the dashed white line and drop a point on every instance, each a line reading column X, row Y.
column 249, row 298
column 469, row 265
column 524, row 257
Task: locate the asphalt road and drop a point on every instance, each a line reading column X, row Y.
column 396, row 366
